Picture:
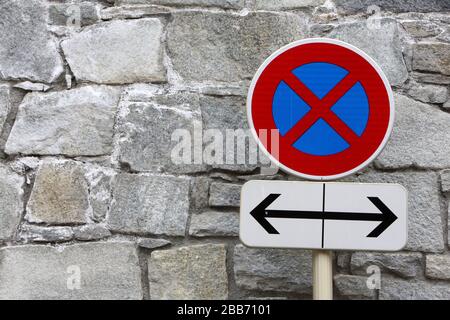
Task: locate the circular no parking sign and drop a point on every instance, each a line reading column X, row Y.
column 331, row 104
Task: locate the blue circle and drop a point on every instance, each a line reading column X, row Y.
column 320, row 139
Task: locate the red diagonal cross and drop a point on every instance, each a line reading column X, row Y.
column 320, row 108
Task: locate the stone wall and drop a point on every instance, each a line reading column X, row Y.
column 91, row 203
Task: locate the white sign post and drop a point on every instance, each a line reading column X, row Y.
column 322, row 275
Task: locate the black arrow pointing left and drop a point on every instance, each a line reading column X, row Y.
column 261, row 213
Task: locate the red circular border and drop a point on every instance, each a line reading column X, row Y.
column 378, row 97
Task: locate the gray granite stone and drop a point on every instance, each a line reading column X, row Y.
column 407, row 265
column 60, row 194
column 149, row 205
column 104, row 270
column 158, row 135
column 224, row 194
column 432, row 57
column 27, row 52
column 117, row 52
column 215, row 224
column 11, row 202
column 227, row 47
column 384, row 47
column 418, row 138
column 192, row 272
column 273, row 269
column 77, row 122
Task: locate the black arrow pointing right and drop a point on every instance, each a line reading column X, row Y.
column 261, row 213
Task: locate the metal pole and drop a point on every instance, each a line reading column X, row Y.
column 322, row 275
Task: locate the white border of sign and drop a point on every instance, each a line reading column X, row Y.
column 292, row 199
column 320, row 40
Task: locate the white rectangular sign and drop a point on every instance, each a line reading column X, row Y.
column 310, row 215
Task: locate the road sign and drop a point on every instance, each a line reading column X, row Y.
column 331, row 104
column 313, row 215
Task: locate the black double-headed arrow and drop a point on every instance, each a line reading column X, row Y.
column 261, row 213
